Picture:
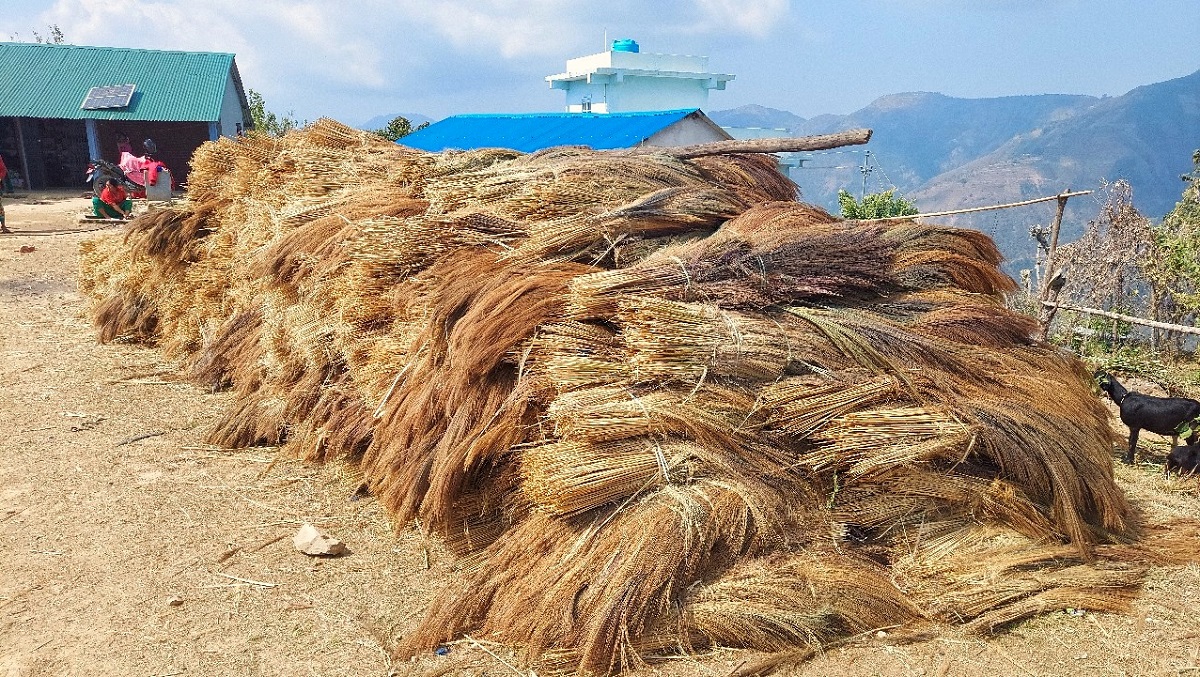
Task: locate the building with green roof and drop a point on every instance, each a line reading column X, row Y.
column 63, row 105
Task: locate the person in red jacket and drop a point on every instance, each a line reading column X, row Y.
column 3, row 173
column 112, row 202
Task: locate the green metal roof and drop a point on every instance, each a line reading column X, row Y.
column 51, row 81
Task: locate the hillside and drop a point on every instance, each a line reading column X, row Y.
column 919, row 135
column 753, row 115
column 1145, row 137
column 947, row 153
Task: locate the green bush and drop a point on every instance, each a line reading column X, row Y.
column 875, row 206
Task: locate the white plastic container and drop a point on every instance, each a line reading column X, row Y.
column 161, row 190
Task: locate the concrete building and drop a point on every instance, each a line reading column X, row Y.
column 620, row 98
column 623, row 79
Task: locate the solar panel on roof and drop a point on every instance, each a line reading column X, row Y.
column 115, row 96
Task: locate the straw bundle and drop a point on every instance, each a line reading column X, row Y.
column 873, row 439
column 570, row 355
column 774, row 254
column 569, row 478
column 778, row 603
column 654, row 404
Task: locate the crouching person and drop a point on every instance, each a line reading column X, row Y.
column 112, row 203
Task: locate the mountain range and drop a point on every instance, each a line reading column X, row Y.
column 948, row 153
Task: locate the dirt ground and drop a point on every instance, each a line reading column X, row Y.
column 129, row 547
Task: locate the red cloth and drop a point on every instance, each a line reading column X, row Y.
column 113, row 196
column 133, row 166
column 3, row 169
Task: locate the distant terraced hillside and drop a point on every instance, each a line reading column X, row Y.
column 948, row 153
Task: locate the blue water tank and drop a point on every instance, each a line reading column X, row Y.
column 625, row 45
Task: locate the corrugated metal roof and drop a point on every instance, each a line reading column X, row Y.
column 530, row 132
column 51, row 81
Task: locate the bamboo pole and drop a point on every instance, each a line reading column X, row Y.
column 788, row 144
column 969, row 210
column 1125, row 318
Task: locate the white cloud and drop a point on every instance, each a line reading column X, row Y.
column 516, row 29
column 509, row 28
column 271, row 38
column 756, row 18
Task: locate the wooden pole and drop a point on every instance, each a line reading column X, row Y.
column 1049, row 291
column 1124, row 318
column 788, row 144
column 24, row 154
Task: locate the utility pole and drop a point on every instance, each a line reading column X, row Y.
column 865, row 169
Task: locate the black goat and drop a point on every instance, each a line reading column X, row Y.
column 1162, row 415
column 1184, row 459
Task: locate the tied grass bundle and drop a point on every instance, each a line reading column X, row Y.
column 868, row 440
column 570, row 478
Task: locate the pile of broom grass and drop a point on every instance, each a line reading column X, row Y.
column 653, row 405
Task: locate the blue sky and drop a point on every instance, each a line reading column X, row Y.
column 353, row 60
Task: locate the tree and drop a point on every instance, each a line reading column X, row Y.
column 267, row 122
column 1173, row 260
column 398, row 128
column 54, row 37
column 1126, row 263
column 875, row 205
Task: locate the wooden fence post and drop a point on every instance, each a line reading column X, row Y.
column 1050, row 286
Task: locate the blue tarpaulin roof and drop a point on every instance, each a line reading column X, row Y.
column 529, row 132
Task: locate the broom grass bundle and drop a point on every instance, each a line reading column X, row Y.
column 976, row 324
column 570, row 478
column 573, row 584
column 780, row 603
column 867, row 441
column 934, row 510
column 1000, row 579
column 168, row 235
column 667, row 211
column 938, row 256
column 770, row 255
column 910, row 236
column 654, row 404
column 568, row 356
column 755, row 177
column 670, row 340
column 798, row 406
column 403, row 246
column 711, row 413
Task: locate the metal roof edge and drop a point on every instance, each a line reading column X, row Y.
column 563, row 114
column 44, row 45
